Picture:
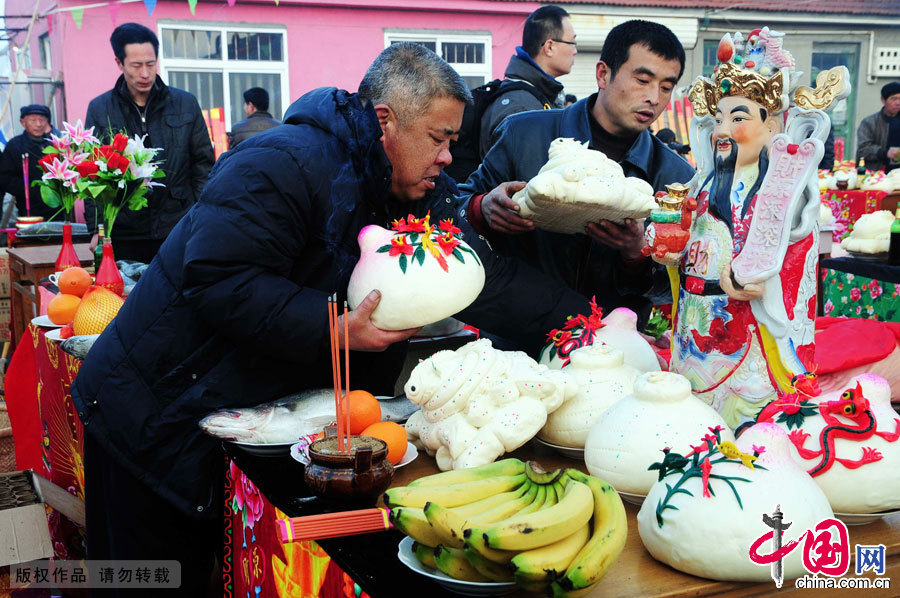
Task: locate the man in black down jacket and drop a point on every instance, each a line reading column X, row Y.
column 232, row 313
column 141, row 104
column 639, row 66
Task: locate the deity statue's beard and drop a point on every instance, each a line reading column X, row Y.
column 723, row 180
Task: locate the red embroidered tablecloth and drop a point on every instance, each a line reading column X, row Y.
column 848, row 206
column 47, row 433
column 49, row 439
column 258, row 564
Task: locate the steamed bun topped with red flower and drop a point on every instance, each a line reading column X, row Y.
column 425, row 272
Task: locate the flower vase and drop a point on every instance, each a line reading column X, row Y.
column 67, row 257
column 108, row 275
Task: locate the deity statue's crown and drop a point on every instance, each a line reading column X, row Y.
column 758, row 69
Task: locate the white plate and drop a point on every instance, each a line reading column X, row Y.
column 466, row 588
column 411, row 453
column 635, row 499
column 566, row 451
column 44, row 322
column 53, row 335
column 263, row 450
column 863, row 518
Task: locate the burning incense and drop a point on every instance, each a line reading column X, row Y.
column 333, row 525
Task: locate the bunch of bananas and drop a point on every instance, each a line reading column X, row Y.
column 555, row 532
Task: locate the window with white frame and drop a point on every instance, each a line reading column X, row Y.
column 217, row 63
column 469, row 53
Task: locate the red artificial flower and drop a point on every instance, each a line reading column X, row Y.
column 117, row 161
column 105, row 151
column 45, row 162
column 119, row 142
column 88, row 169
column 448, row 243
column 447, row 226
column 400, row 246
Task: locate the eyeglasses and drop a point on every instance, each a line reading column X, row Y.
column 562, row 41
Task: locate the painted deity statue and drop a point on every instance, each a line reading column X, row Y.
column 745, row 283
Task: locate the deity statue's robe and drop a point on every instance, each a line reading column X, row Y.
column 731, row 360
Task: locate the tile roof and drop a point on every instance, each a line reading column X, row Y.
column 850, row 7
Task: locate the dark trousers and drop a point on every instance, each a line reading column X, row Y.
column 127, row 520
column 136, row 250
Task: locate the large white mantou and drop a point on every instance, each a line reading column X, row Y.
column 711, row 535
column 849, row 441
column 424, row 272
column 603, row 378
column 578, row 185
column 629, row 436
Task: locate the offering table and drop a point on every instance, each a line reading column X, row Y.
column 860, row 289
column 370, row 560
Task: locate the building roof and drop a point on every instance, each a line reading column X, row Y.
column 852, row 7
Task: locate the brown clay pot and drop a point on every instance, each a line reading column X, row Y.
column 358, row 477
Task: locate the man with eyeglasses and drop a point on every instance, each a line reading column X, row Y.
column 548, row 51
column 639, row 66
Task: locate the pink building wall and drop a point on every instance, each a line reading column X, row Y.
column 329, row 42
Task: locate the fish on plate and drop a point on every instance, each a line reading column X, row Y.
column 288, row 418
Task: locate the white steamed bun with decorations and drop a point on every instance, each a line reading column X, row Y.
column 478, row 402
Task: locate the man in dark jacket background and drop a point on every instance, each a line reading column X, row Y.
column 639, row 66
column 256, row 106
column 35, row 120
column 233, row 312
column 548, row 51
column 878, row 135
column 141, row 104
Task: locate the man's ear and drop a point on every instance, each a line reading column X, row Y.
column 120, row 65
column 604, row 75
column 773, row 124
column 386, row 117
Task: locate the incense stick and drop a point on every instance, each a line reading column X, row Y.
column 335, row 366
column 347, row 374
column 333, row 525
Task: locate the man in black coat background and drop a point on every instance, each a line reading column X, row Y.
column 170, row 119
column 233, row 312
column 35, row 120
column 256, row 107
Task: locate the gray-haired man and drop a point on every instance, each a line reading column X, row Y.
column 233, row 312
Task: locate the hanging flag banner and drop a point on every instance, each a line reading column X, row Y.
column 192, row 4
column 231, row 3
column 50, row 18
column 78, row 15
column 150, row 5
column 113, row 12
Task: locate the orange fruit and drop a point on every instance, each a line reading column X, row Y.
column 364, row 410
column 74, row 281
column 98, row 307
column 394, row 435
column 62, row 308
